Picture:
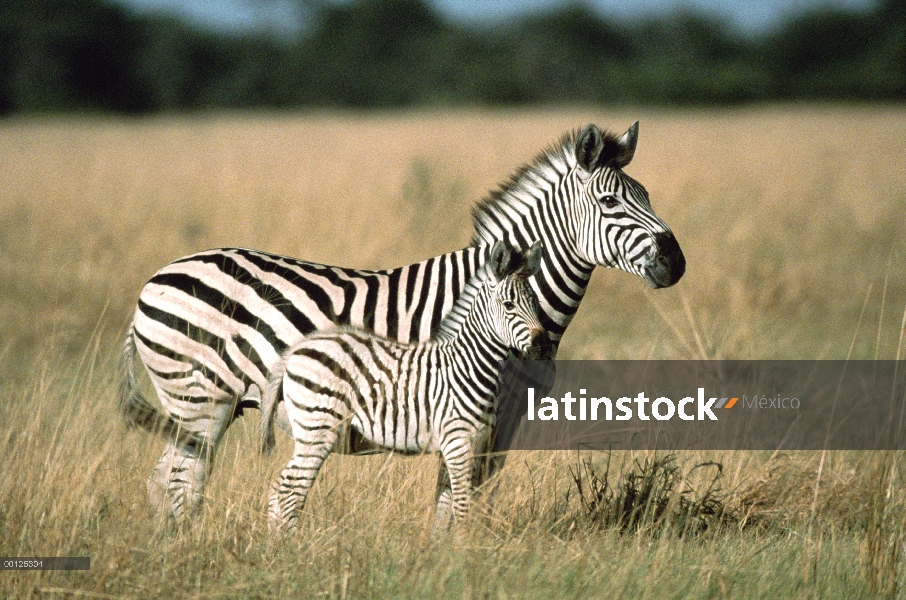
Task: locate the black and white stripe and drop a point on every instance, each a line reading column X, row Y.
column 434, row 396
column 211, row 327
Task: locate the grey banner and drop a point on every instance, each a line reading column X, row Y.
column 703, row 405
column 45, row 563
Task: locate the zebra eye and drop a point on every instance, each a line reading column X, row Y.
column 509, row 305
column 609, row 200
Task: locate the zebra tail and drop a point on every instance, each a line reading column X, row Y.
column 135, row 408
column 273, row 395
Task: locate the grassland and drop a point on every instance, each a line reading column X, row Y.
column 792, row 222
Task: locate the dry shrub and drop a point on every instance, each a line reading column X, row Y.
column 653, row 495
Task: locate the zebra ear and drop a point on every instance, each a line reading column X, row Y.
column 626, row 145
column 588, row 147
column 500, row 259
column 533, row 258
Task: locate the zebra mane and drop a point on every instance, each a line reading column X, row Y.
column 450, row 325
column 516, row 190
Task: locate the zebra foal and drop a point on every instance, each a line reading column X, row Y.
column 434, row 396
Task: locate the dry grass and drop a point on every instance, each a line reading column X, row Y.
column 791, row 219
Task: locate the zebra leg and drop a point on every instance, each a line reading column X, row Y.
column 491, row 457
column 176, row 485
column 443, row 497
column 485, row 465
column 290, row 491
column 457, row 456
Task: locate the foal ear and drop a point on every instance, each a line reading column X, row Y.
column 533, row 258
column 500, row 260
column 588, row 147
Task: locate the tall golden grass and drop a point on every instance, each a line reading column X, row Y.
column 792, row 222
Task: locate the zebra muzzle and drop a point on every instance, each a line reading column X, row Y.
column 667, row 264
column 541, row 349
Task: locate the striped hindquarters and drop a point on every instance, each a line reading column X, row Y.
column 210, row 325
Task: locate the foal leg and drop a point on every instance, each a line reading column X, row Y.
column 490, row 457
column 315, row 433
column 291, row 489
column 457, row 454
column 485, row 464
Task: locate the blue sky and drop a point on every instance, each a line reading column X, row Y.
column 752, row 16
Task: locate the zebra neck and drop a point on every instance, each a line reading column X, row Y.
column 560, row 284
column 451, row 325
column 475, row 351
column 528, row 208
column 467, row 322
column 511, row 211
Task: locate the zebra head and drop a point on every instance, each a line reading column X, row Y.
column 513, row 307
column 615, row 225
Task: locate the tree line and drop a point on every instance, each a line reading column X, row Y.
column 93, row 55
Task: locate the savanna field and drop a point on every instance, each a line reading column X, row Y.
column 792, row 221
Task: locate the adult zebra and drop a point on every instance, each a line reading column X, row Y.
column 434, row 396
column 210, row 327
